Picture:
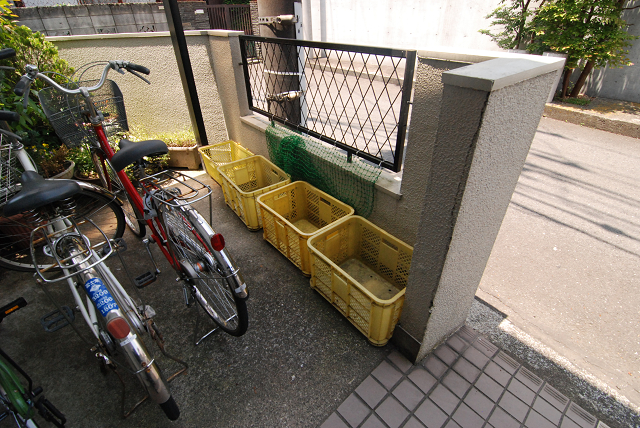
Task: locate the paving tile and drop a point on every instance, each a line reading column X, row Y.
column 373, row 422
column 392, row 412
column 467, row 370
column 422, row 379
column 489, row 387
column 536, row 420
column 413, row 423
column 530, row 380
column 513, row 406
column 602, row 425
column 457, row 344
column 353, row 410
column 452, row 424
column 467, row 333
column 430, row 415
column 486, row 347
column 444, row 398
column 568, row 423
column 400, row 361
column 446, row 354
column 467, row 418
column 497, row 373
column 435, row 366
column 476, row 357
column 547, row 410
column 387, row 374
column 371, row 391
column 501, row 419
column 554, row 397
column 334, row 421
column 456, row 383
column 408, row 394
column 506, row 362
column 518, row 389
column 479, row 403
column 580, row 416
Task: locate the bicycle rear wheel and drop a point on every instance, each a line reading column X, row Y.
column 15, row 231
column 192, row 247
column 112, row 182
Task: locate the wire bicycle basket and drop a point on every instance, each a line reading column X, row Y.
column 9, row 173
column 68, row 113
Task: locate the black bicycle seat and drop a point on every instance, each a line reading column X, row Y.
column 131, row 152
column 37, row 192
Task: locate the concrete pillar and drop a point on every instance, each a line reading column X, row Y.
column 488, row 116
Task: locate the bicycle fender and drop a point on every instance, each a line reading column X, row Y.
column 101, row 190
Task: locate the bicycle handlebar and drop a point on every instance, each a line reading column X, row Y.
column 33, row 73
column 7, row 53
column 9, row 116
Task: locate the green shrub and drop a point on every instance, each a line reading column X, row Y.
column 31, row 47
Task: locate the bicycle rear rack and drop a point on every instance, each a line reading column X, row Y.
column 49, row 238
column 161, row 186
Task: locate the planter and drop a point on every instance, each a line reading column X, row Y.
column 91, row 180
column 184, row 157
column 68, row 172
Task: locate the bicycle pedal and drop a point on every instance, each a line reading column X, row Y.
column 145, row 279
column 55, row 320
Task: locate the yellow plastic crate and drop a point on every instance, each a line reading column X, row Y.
column 216, row 155
column 293, row 213
column 244, row 180
column 362, row 270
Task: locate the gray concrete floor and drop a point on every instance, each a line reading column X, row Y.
column 560, row 279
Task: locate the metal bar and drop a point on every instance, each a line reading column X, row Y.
column 245, row 67
column 186, row 72
column 407, row 85
column 335, row 46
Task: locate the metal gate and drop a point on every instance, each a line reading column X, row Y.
column 230, row 17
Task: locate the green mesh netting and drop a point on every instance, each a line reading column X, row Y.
column 324, row 167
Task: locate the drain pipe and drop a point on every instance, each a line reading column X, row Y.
column 186, row 72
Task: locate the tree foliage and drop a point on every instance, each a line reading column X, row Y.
column 591, row 33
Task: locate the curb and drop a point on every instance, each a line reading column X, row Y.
column 591, row 120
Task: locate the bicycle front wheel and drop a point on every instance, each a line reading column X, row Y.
column 15, row 231
column 112, row 182
column 192, row 247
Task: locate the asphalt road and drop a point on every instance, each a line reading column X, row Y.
column 565, row 265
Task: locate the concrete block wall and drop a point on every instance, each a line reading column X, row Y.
column 109, row 18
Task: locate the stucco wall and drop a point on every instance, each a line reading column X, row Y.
column 161, row 106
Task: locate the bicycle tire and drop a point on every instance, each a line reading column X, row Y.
column 132, row 215
column 15, row 231
column 191, row 244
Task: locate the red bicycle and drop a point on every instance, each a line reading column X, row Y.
column 89, row 113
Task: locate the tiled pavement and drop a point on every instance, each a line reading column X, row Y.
column 467, row 382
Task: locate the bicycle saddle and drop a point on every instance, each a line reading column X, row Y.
column 131, row 152
column 37, row 192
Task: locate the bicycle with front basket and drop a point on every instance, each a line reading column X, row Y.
column 89, row 113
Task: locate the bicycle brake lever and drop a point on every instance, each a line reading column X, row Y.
column 139, row 76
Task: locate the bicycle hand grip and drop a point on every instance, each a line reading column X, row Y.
column 139, row 68
column 22, row 85
column 9, row 116
column 7, row 53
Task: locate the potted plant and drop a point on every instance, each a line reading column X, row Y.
column 57, row 165
column 84, row 168
column 183, row 150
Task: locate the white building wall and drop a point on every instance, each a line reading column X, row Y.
column 407, row 24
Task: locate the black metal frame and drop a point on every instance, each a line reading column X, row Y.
column 407, row 86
